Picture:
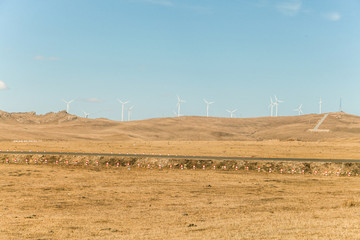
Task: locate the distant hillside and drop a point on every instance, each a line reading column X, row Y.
column 64, row 126
column 32, row 118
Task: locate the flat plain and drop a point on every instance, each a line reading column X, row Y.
column 328, row 149
column 68, row 202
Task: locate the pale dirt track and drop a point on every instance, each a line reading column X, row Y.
column 67, row 202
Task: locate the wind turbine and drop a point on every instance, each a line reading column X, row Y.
column 122, row 109
column 86, row 114
column 277, row 101
column 320, row 103
column 207, row 107
column 129, row 112
column 231, row 112
column 271, row 106
column 178, row 105
column 299, row 110
column 340, row 105
column 68, row 105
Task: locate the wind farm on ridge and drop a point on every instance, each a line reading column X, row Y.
column 273, row 104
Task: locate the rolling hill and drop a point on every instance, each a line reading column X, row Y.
column 64, row 126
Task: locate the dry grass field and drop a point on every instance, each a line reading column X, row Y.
column 257, row 137
column 68, row 202
column 331, row 149
column 65, row 127
column 77, row 202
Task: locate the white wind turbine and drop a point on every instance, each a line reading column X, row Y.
column 320, row 105
column 179, row 104
column 207, row 107
column 68, row 105
column 277, row 101
column 122, row 109
column 271, row 106
column 299, row 110
column 129, row 112
column 86, row 114
column 231, row 112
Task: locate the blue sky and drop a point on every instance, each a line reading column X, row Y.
column 236, row 53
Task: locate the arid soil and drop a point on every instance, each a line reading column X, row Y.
column 68, row 202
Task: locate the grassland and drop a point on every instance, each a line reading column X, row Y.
column 331, row 149
column 77, row 202
column 67, row 202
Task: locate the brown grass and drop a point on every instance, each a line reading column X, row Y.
column 68, row 202
column 258, row 137
column 62, row 126
column 53, row 202
column 351, row 203
column 347, row 149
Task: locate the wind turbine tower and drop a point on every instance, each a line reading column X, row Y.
column 320, row 105
column 68, row 105
column 277, row 101
column 231, row 112
column 179, row 105
column 122, row 109
column 299, row 110
column 129, row 112
column 271, row 106
column 340, row 105
column 207, row 107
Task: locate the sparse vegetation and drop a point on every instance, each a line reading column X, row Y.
column 77, row 202
column 54, row 202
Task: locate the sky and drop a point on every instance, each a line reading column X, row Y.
column 236, row 53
